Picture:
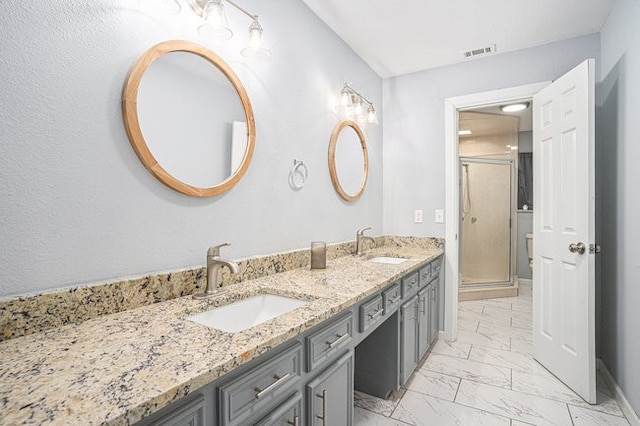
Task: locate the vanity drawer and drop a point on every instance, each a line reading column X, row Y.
column 371, row 313
column 328, row 341
column 250, row 392
column 410, row 285
column 285, row 414
column 391, row 298
column 435, row 267
column 425, row 274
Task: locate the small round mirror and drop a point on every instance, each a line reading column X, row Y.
column 348, row 160
column 188, row 118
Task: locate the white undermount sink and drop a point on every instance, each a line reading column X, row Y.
column 388, row 259
column 247, row 313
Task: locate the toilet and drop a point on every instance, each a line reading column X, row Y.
column 529, row 238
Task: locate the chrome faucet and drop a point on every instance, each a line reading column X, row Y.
column 360, row 239
column 214, row 262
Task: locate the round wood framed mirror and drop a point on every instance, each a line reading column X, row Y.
column 348, row 160
column 189, row 118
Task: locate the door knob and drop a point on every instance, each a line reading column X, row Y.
column 577, row 248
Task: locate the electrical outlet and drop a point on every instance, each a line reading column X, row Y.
column 439, row 216
column 417, row 216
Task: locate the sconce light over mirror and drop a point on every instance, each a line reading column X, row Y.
column 216, row 25
column 188, row 118
column 348, row 160
column 352, row 106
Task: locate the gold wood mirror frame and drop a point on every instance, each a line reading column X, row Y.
column 132, row 123
column 333, row 169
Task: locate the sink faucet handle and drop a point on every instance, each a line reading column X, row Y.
column 361, row 230
column 215, row 250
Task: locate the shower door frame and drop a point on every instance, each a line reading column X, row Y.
column 513, row 231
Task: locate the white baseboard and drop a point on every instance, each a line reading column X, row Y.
column 622, row 400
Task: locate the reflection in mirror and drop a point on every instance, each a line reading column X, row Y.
column 187, row 109
column 188, row 118
column 348, row 160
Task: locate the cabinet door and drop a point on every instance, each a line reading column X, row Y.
column 408, row 338
column 424, row 319
column 434, row 311
column 330, row 395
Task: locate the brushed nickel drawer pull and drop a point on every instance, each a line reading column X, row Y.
column 295, row 421
column 323, row 417
column 373, row 316
column 340, row 339
column 279, row 381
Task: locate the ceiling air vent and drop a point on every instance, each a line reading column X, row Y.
column 482, row 51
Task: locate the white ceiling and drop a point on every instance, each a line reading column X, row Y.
column 404, row 36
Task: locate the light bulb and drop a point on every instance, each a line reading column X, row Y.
column 345, row 97
column 357, row 107
column 372, row 117
column 256, row 47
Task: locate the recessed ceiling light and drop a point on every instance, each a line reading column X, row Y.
column 464, row 132
column 515, row 107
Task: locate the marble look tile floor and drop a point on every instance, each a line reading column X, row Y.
column 487, row 377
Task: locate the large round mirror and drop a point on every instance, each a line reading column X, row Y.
column 348, row 160
column 189, row 118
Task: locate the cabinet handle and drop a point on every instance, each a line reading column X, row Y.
column 416, row 306
column 340, row 339
column 373, row 316
column 279, row 381
column 394, row 300
column 295, row 421
column 423, row 299
column 435, row 293
column 323, row 417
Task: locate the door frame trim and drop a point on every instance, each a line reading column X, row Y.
column 452, row 204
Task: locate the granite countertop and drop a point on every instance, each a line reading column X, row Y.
column 118, row 368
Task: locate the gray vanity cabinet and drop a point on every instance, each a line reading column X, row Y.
column 424, row 321
column 408, row 338
column 434, row 303
column 330, row 395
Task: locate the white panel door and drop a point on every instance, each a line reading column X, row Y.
column 564, row 229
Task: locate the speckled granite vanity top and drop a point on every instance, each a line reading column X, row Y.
column 117, row 368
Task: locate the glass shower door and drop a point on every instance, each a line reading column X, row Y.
column 486, row 206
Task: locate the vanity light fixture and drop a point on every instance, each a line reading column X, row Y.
column 215, row 23
column 352, row 107
column 520, row 106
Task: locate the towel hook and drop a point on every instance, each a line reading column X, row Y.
column 298, row 175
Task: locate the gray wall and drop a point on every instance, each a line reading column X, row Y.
column 618, row 196
column 76, row 204
column 414, row 151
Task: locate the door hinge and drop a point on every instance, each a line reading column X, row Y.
column 594, row 248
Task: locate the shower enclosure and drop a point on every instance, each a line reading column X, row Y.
column 486, row 205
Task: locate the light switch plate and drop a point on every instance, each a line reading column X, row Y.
column 439, row 216
column 417, row 216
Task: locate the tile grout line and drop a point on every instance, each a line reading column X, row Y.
column 457, row 390
column 570, row 416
